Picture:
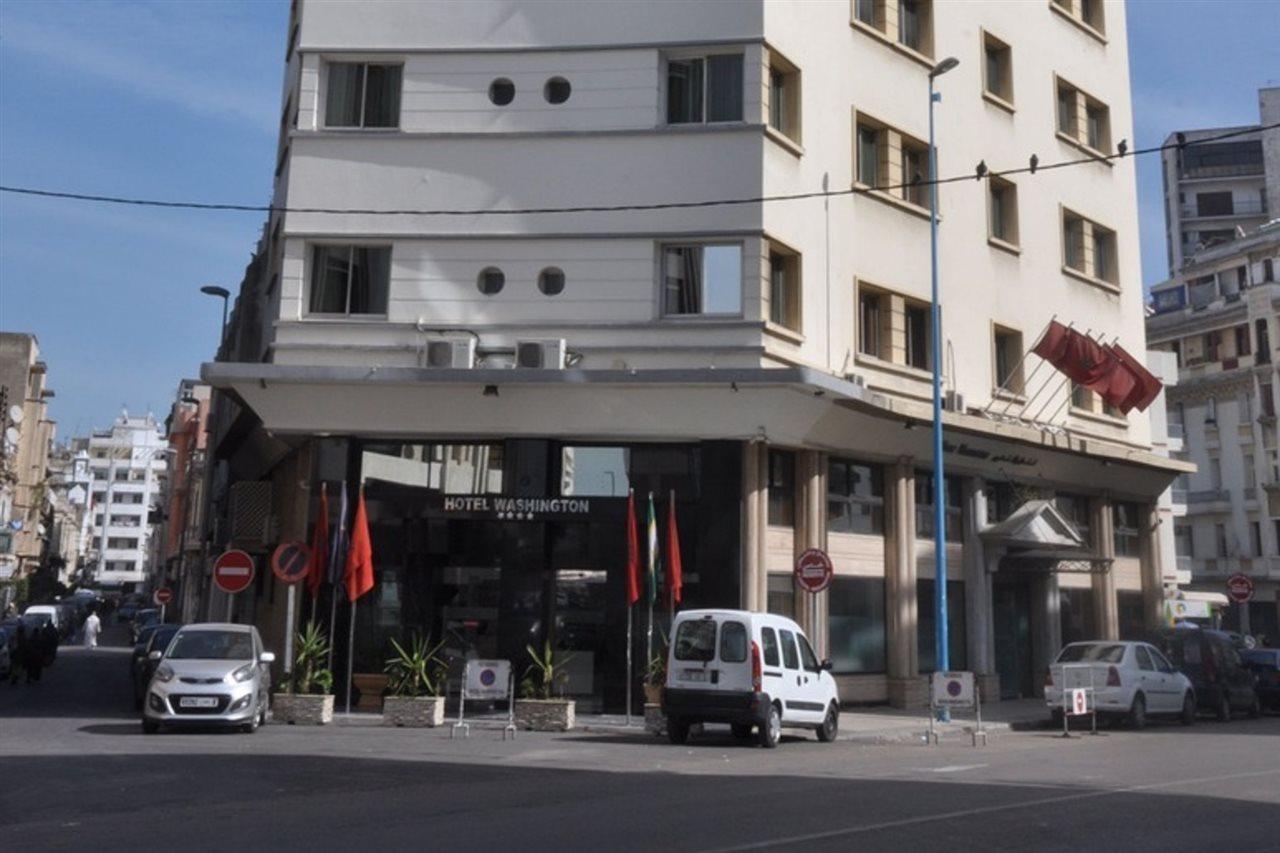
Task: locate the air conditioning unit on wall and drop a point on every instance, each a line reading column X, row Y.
column 546, row 354
column 452, row 353
column 953, row 402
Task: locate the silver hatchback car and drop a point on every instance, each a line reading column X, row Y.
column 210, row 674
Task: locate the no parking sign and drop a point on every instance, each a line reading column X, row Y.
column 487, row 679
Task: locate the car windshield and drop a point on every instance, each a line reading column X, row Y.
column 1092, row 653
column 1261, row 657
column 696, row 640
column 160, row 638
column 212, row 645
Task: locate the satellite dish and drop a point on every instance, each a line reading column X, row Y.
column 15, row 414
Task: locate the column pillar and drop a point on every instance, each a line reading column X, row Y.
column 1106, row 614
column 1152, row 569
column 906, row 688
column 752, row 531
column 1046, row 641
column 811, row 532
column 979, row 638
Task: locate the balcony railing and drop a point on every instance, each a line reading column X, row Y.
column 1205, row 496
column 1238, row 207
column 1232, row 170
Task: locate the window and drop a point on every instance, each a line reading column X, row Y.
column 1073, row 105
column 855, row 497
column 490, row 281
column 704, row 89
column 362, row 94
column 1066, row 110
column 1098, row 131
column 1104, row 253
column 696, row 640
column 877, row 148
column 912, row 20
column 865, row 11
column 1264, row 342
column 1266, row 400
column 1091, row 13
column 1242, row 340
column 1125, row 519
column 917, row 328
column 1214, row 204
column 873, row 313
column 1255, row 539
column 868, row 155
column 926, row 625
column 1215, row 473
column 915, row 173
column 733, row 642
column 925, row 507
column 1003, row 199
column 1268, row 270
column 1075, row 508
column 350, row 280
column 704, row 279
column 1089, row 248
column 784, row 97
column 782, row 487
column 1220, row 538
column 856, row 624
column 502, row 92
column 1210, row 410
column 997, row 68
column 769, row 640
column 807, row 658
column 557, row 90
column 122, row 543
column 790, row 659
column 782, row 595
column 784, row 288
column 551, row 281
column 1183, row 539
column 1144, row 659
column 912, row 23
column 1008, row 352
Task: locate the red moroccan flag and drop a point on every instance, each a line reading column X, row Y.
column 359, row 570
column 1123, row 379
column 1146, row 386
column 319, row 563
column 633, row 551
column 1052, row 342
column 675, row 570
column 1087, row 362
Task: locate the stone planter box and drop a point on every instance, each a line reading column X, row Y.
column 544, row 715
column 654, row 720
column 302, row 709
column 413, row 711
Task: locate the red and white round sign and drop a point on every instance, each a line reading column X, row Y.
column 162, row 596
column 1240, row 588
column 814, row 570
column 233, row 572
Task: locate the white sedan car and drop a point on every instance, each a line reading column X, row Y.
column 210, row 674
column 1129, row 680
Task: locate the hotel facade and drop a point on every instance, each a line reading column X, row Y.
column 497, row 376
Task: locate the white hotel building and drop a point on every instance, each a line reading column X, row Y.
column 767, row 361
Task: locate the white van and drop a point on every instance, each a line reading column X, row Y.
column 42, row 610
column 751, row 670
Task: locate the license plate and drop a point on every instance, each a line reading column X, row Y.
column 197, row 702
column 694, row 675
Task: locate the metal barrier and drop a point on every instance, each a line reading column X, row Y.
column 955, row 691
column 1078, row 695
column 484, row 679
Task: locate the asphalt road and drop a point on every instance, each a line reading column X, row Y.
column 79, row 772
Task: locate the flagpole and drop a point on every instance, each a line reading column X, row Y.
column 351, row 653
column 629, row 670
column 333, row 618
column 671, row 593
column 651, row 537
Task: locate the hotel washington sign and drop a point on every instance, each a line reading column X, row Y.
column 514, row 509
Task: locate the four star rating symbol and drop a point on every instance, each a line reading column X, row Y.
column 515, row 516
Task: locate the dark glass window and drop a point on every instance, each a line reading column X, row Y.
column 491, row 281
column 868, row 155
column 770, row 641
column 925, row 507
column 790, row 659
column 557, row 90
column 733, row 642
column 551, row 281
column 926, row 624
column 782, row 487
column 350, row 279
column 1127, row 532
column 363, row 95
column 705, row 89
column 696, row 640
column 502, row 91
column 856, row 632
column 782, row 594
column 918, row 343
column 855, row 497
column 1076, row 509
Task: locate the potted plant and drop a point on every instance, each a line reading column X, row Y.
column 655, row 679
column 538, row 709
column 414, row 676
column 308, row 699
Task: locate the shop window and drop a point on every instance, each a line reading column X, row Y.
column 594, row 472
column 782, row 488
column 702, row 279
column 1127, row 531
column 855, row 497
column 782, row 596
column 784, row 287
column 925, row 507
column 856, row 625
column 362, row 95
column 784, row 96
column 1002, row 196
column 926, row 623
column 705, row 89
column 350, row 280
column 1076, row 612
column 1008, row 356
column 997, row 68
column 1131, row 620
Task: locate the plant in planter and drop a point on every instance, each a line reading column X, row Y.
column 309, row 694
column 414, row 678
column 537, row 708
column 655, row 678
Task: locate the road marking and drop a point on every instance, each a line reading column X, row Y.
column 932, row 818
column 951, row 768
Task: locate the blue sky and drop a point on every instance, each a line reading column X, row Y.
column 180, row 100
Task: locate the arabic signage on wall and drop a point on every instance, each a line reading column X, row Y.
column 981, row 454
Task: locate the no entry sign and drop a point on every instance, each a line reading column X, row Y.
column 162, row 596
column 289, row 561
column 233, row 571
column 1240, row 588
column 814, row 570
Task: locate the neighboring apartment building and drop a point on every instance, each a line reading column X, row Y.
column 765, row 363
column 1211, row 190
column 1221, row 316
column 129, row 468
column 26, row 437
column 70, row 512
column 181, row 564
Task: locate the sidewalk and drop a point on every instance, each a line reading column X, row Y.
column 858, row 725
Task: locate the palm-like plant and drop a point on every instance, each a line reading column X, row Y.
column 416, row 670
column 545, row 673
column 310, row 674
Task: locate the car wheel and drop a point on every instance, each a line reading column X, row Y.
column 1138, row 713
column 830, row 725
column 149, row 727
column 1223, row 707
column 771, row 731
column 1188, row 710
column 741, row 731
column 677, row 731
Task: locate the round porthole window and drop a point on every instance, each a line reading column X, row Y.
column 502, row 91
column 557, row 90
column 551, row 281
column 491, row 281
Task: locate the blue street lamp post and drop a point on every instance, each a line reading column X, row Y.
column 940, row 641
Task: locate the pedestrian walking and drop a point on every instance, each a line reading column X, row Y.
column 92, row 627
column 33, row 655
column 18, row 656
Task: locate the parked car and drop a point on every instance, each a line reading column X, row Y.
column 209, row 674
column 754, row 671
column 125, row 612
column 1131, row 681
column 142, row 619
column 1265, row 664
column 1223, row 684
column 153, row 638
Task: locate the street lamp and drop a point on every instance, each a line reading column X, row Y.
column 942, row 657
column 223, row 294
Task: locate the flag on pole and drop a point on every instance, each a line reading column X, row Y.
column 338, row 556
column 317, row 567
column 359, row 569
column 675, row 571
column 633, row 551
column 652, row 579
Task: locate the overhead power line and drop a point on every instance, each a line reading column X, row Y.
column 981, row 171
